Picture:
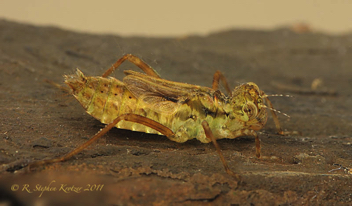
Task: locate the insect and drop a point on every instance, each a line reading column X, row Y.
column 147, row 103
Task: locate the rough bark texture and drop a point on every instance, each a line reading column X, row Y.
column 39, row 121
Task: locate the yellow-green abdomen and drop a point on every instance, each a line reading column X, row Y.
column 107, row 98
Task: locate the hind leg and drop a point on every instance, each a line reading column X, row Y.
column 126, row 117
column 136, row 61
column 216, row 79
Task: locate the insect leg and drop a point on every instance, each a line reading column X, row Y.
column 277, row 123
column 276, row 119
column 210, row 135
column 126, row 117
column 216, row 79
column 248, row 132
column 135, row 60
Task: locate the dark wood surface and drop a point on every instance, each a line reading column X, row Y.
column 39, row 121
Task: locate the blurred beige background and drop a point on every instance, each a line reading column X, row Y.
column 181, row 17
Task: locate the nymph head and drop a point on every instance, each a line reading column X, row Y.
column 248, row 105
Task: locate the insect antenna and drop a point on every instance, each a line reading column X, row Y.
column 272, row 109
column 276, row 95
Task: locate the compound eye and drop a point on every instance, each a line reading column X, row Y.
column 251, row 110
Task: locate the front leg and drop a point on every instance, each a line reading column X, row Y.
column 249, row 132
column 276, row 119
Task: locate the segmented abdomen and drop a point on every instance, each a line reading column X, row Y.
column 107, row 98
